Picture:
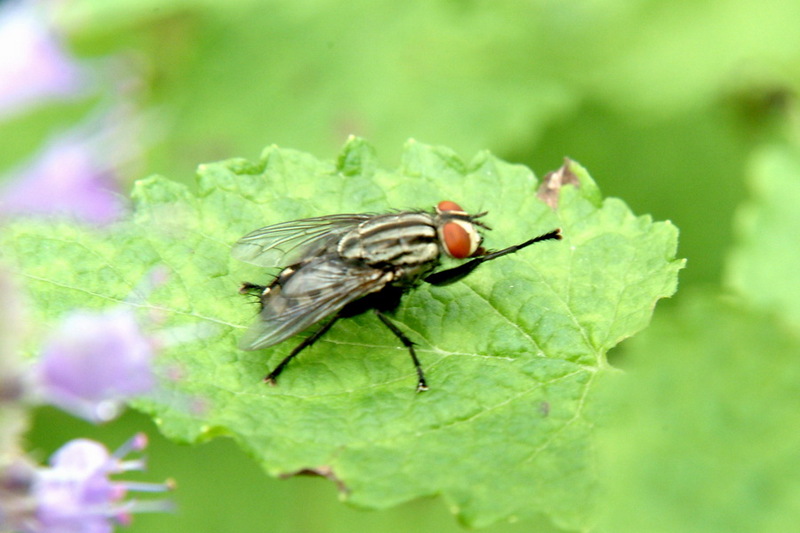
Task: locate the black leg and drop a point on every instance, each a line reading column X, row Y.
column 421, row 385
column 308, row 341
column 252, row 288
column 451, row 275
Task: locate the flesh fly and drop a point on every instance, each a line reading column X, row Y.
column 340, row 266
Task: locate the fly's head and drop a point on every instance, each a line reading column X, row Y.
column 458, row 235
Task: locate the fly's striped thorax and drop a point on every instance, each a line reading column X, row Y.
column 398, row 239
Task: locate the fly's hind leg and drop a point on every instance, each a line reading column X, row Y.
column 308, row 341
column 421, row 385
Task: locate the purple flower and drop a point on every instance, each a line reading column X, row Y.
column 76, row 495
column 94, row 362
column 34, row 65
column 68, row 177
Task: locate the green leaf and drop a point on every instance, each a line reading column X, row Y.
column 512, row 353
column 705, row 438
column 763, row 265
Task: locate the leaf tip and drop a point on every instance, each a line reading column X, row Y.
column 357, row 158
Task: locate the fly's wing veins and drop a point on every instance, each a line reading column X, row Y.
column 290, row 242
column 317, row 289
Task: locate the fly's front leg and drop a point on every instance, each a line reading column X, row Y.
column 255, row 291
column 252, row 289
column 308, row 341
column 451, row 275
column 408, row 343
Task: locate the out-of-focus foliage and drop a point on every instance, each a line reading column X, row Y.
column 764, row 264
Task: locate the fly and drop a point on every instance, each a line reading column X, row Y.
column 343, row 265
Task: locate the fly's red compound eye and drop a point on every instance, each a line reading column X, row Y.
column 456, row 240
column 460, row 239
column 447, row 205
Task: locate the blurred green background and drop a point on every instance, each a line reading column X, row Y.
column 664, row 103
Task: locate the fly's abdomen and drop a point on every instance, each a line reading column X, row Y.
column 400, row 239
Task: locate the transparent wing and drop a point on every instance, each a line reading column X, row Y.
column 319, row 288
column 288, row 242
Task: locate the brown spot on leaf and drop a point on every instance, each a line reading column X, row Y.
column 323, row 471
column 544, row 408
column 553, row 181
